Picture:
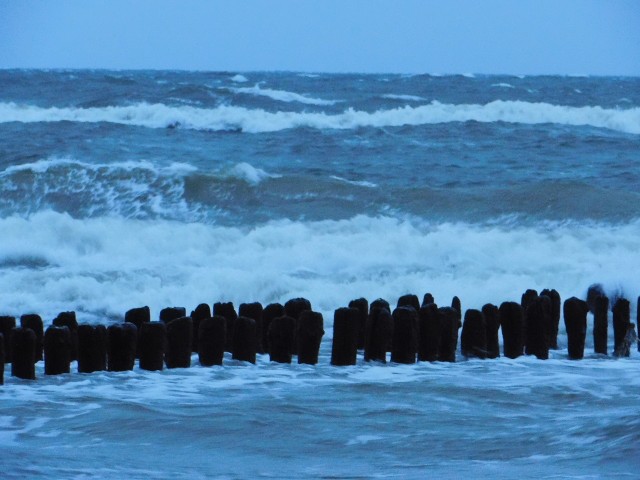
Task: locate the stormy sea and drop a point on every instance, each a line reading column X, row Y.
column 120, row 189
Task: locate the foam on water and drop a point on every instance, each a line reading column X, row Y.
column 132, row 189
column 410, row 98
column 282, row 95
column 358, row 183
column 103, row 266
column 227, row 118
column 251, row 174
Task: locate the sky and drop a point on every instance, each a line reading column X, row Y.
column 593, row 37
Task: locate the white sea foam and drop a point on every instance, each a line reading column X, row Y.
column 239, row 78
column 282, row 95
column 410, row 98
column 251, row 174
column 136, row 189
column 359, row 183
column 502, row 85
column 103, row 266
column 258, row 120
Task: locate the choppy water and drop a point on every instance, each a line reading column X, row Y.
column 121, row 189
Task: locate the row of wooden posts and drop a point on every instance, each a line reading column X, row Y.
column 413, row 331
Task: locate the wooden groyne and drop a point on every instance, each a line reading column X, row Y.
column 409, row 333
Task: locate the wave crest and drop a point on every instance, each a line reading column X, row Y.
column 232, row 118
column 281, row 95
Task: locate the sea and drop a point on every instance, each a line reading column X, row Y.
column 120, row 189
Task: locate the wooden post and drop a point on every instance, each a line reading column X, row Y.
column 428, row 333
column 346, row 326
column 212, row 335
column 153, row 343
column 57, row 350
column 600, row 324
column 309, row 332
column 121, row 353
column 179, row 340
column 512, row 322
column 245, row 340
column 378, row 333
column 23, row 349
column 92, row 348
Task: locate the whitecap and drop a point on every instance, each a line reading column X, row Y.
column 282, row 95
column 410, row 98
column 251, row 174
column 239, row 78
column 502, row 85
column 225, row 118
column 359, row 183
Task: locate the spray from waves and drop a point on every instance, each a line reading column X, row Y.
column 106, row 265
column 282, row 95
column 231, row 118
column 134, row 189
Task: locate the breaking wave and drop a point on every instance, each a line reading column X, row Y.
column 282, row 95
column 233, row 118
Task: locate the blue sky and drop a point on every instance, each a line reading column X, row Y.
column 405, row 36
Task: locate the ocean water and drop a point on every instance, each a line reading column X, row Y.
column 120, row 189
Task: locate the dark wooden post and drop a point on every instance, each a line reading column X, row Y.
column 428, row 333
column 57, row 350
column 153, row 343
column 201, row 312
column 428, row 299
column 228, row 311
column 23, row 349
column 404, row 345
column 68, row 319
column 621, row 322
column 449, row 318
column 212, row 335
column 34, row 322
column 575, row 321
column 179, row 340
column 1, row 359
column 536, row 317
column 378, row 334
column 254, row 310
column 309, row 332
column 271, row 311
column 245, row 340
column 492, row 322
column 346, row 326
column 556, row 303
column 473, row 340
column 512, row 322
column 281, row 336
column 7, row 324
column 409, row 300
column 600, row 324
column 92, row 348
column 121, row 353
column 362, row 305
